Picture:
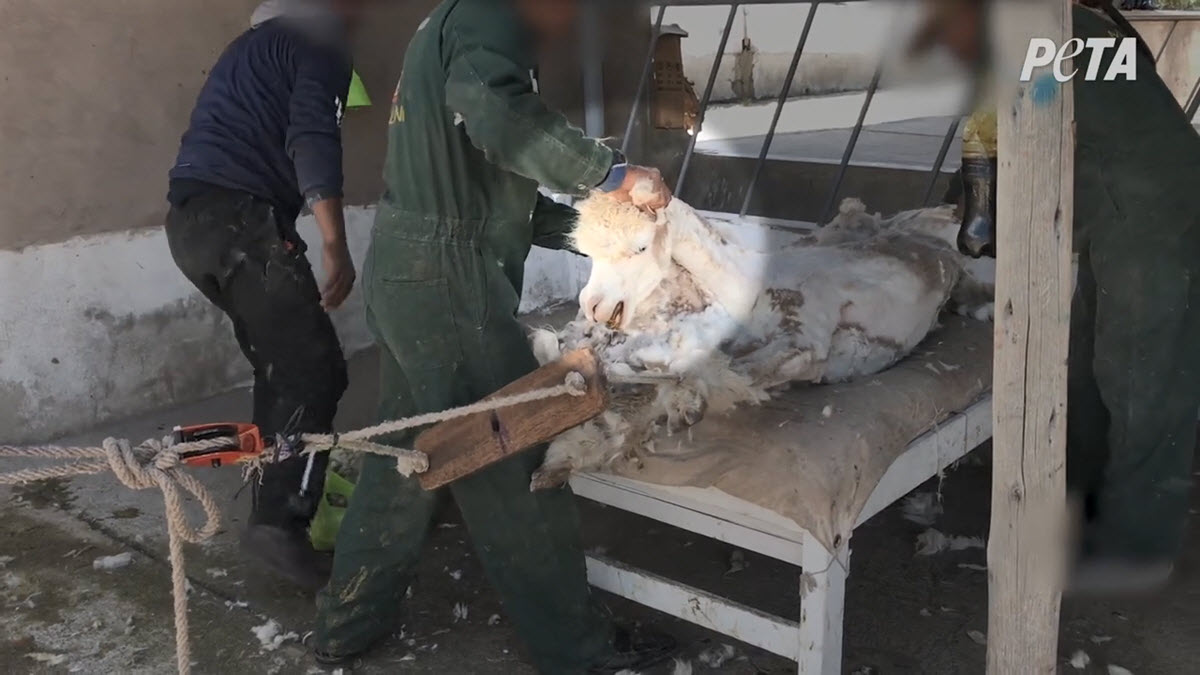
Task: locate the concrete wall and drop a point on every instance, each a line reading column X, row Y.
column 97, row 94
column 95, row 321
column 1175, row 38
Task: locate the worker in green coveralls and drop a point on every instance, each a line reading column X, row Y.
column 469, row 142
column 1134, row 373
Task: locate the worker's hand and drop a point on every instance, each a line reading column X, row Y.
column 339, row 275
column 644, row 187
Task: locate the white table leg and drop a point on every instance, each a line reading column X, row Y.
column 822, row 603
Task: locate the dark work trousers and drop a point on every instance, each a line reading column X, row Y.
column 234, row 248
column 1134, row 380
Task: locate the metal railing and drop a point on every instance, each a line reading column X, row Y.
column 782, row 100
column 1191, row 107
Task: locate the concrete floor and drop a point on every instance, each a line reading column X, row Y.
column 905, row 614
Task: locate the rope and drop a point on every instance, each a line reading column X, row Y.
column 409, row 462
column 153, row 464
column 156, row 464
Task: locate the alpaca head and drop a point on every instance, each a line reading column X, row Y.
column 631, row 257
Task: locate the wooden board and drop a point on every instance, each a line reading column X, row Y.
column 1033, row 304
column 458, row 448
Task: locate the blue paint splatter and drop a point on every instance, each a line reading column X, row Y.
column 1044, row 90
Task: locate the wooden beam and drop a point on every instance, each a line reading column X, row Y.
column 1033, row 300
column 462, row 446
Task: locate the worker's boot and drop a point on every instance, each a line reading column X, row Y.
column 277, row 534
column 977, row 238
column 288, row 553
column 1113, row 576
column 1099, row 572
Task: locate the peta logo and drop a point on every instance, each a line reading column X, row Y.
column 1042, row 52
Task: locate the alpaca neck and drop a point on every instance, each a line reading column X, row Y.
column 705, row 254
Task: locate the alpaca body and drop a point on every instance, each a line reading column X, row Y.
column 670, row 297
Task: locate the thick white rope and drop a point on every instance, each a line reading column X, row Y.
column 156, row 464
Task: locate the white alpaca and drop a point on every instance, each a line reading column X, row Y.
column 688, row 323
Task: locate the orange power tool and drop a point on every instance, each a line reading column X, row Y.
column 244, row 443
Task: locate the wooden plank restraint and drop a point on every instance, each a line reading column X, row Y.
column 1026, row 548
column 460, row 447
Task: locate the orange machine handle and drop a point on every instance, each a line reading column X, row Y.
column 245, row 443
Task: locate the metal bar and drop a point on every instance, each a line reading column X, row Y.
column 941, row 160
column 591, row 48
column 1194, row 106
column 1166, row 42
column 645, row 79
column 783, row 97
column 704, row 101
column 709, row 610
column 858, row 127
column 702, row 3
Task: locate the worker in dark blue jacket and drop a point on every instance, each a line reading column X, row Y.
column 264, row 142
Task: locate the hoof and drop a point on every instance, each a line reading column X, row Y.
column 692, row 416
column 549, row 478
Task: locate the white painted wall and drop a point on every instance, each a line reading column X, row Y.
column 102, row 327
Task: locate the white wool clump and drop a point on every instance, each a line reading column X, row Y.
column 1080, row 660
column 270, row 635
column 110, row 563
column 932, row 542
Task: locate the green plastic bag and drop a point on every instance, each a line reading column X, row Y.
column 322, row 532
column 358, row 97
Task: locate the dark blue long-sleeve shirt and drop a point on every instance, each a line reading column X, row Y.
column 268, row 120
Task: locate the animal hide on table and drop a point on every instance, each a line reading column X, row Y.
column 688, row 323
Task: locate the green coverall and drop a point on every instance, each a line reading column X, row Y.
column 1134, row 381
column 469, row 142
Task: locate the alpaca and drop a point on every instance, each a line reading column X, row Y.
column 688, row 324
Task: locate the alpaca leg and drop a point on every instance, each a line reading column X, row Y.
column 572, row 450
column 546, row 346
column 683, row 403
column 974, row 299
column 794, row 360
column 586, row 447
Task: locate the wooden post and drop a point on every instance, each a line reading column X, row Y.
column 1034, row 283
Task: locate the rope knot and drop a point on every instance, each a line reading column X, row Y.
column 125, row 465
column 576, row 384
column 165, row 460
